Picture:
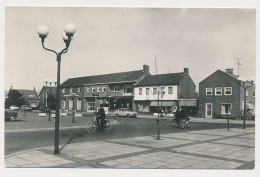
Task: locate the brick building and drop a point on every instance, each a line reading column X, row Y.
column 113, row 91
column 221, row 95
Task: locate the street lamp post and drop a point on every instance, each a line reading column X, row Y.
column 72, row 94
column 245, row 85
column 69, row 31
column 159, row 114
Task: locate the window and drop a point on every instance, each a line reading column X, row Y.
column 70, row 104
column 93, row 89
column 253, row 92
column 169, row 90
column 63, row 103
column 116, row 88
column 127, row 89
column 162, row 90
column 79, row 89
column 154, row 90
column 63, row 90
column 228, row 90
column 218, row 91
column 91, row 105
column 140, row 91
column 78, row 104
column 31, row 95
column 208, row 91
column 98, row 89
column 103, row 89
column 226, row 109
column 88, row 89
column 147, row 91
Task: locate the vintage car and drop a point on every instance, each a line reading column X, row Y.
column 25, row 108
column 10, row 115
column 126, row 112
column 14, row 108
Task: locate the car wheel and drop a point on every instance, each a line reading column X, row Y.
column 128, row 115
column 12, row 119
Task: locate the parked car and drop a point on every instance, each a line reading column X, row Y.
column 10, row 115
column 14, row 108
column 126, row 112
column 25, row 108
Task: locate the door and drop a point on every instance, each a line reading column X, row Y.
column 208, row 110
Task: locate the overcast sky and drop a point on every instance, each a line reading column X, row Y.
column 110, row 40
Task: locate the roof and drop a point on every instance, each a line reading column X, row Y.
column 228, row 74
column 162, row 79
column 52, row 90
column 130, row 76
column 29, row 94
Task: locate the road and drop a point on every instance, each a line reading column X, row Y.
column 35, row 132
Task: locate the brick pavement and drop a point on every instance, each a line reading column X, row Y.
column 204, row 149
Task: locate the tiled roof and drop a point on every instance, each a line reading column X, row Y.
column 162, row 79
column 130, row 76
column 29, row 94
column 52, row 90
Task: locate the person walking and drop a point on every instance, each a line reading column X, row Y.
column 183, row 116
column 178, row 116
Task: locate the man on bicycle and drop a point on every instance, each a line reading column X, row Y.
column 101, row 116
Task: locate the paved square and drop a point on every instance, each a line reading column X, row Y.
column 152, row 142
column 98, row 150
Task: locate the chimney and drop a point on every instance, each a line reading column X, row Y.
column 230, row 71
column 146, row 69
column 186, row 70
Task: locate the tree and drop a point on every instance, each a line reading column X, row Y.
column 14, row 98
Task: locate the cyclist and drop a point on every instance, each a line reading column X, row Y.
column 101, row 116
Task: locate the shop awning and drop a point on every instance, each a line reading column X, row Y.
column 188, row 102
column 250, row 106
column 163, row 103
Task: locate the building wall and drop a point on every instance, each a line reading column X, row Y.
column 220, row 79
column 187, row 88
column 152, row 96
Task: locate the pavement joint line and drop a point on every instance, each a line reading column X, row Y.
column 206, row 156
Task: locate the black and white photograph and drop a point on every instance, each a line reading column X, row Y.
column 127, row 88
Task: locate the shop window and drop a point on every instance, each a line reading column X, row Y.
column 91, row 105
column 78, row 104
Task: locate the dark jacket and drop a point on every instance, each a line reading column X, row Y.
column 101, row 113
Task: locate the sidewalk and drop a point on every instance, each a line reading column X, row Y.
column 204, row 149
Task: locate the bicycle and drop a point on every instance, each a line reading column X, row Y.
column 92, row 125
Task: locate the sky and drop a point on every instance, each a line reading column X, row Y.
column 110, row 40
